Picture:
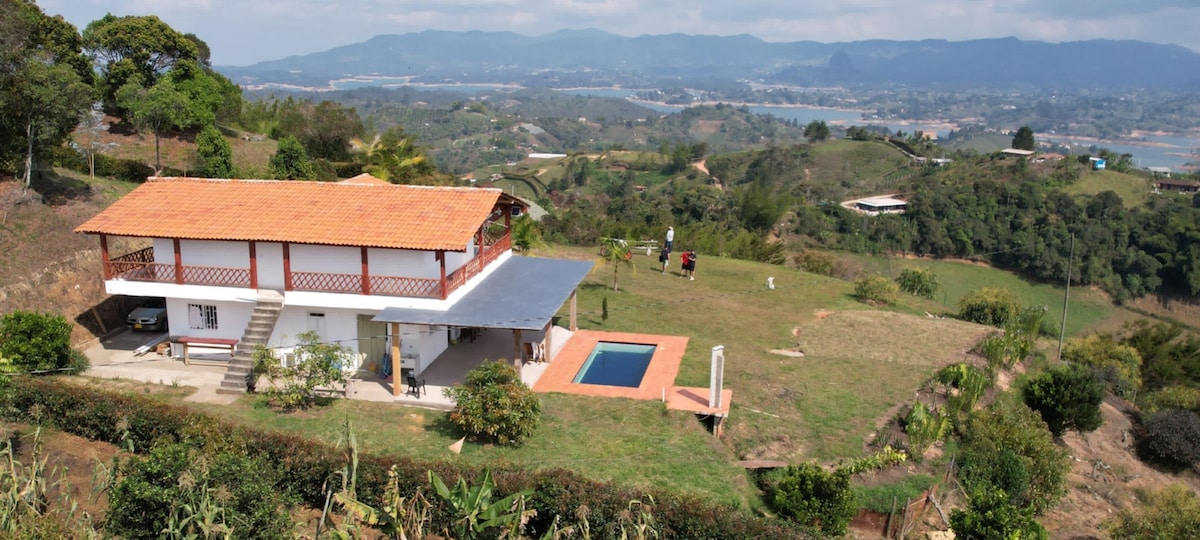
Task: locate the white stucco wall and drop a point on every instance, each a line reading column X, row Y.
column 232, row 317
column 270, row 265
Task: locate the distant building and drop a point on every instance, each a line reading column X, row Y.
column 1017, row 152
column 880, row 205
column 1098, row 164
column 1181, row 186
column 1163, row 172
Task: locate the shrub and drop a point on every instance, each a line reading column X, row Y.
column 918, row 281
column 924, row 425
column 493, row 404
column 1118, row 365
column 817, row 262
column 1008, row 446
column 989, row 306
column 1067, row 397
column 990, row 515
column 36, row 341
column 1172, row 436
column 172, row 488
column 1171, row 397
column 965, row 384
column 875, row 289
column 317, row 365
column 1171, row 512
column 809, row 495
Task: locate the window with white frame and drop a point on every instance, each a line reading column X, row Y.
column 202, row 317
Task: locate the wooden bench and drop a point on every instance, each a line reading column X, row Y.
column 648, row 245
column 216, row 343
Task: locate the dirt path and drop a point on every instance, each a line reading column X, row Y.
column 701, row 166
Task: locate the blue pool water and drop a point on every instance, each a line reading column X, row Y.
column 616, row 364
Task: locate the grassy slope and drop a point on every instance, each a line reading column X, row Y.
column 1133, row 189
column 863, row 164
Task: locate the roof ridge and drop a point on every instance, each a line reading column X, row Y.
column 196, row 179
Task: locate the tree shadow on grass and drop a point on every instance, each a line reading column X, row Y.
column 57, row 190
column 442, row 425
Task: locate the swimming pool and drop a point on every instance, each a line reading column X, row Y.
column 616, row 364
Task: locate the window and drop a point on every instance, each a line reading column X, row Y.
column 202, row 317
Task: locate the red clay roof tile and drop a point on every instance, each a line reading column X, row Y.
column 341, row 214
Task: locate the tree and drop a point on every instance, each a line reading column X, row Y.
column 493, row 404
column 875, row 289
column 52, row 98
column 315, row 365
column 214, row 156
column 1024, row 139
column 1007, row 446
column 290, row 161
column 990, row 516
column 918, row 281
column 134, row 49
column 989, row 305
column 816, row 130
column 158, row 109
column 394, row 157
column 1172, row 436
column 525, row 234
column 1067, row 397
column 1118, row 365
column 809, row 495
column 36, row 341
column 616, row 252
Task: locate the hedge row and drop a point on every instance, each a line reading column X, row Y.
column 306, row 465
column 130, row 170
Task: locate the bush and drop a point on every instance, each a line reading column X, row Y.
column 918, row 281
column 494, row 405
column 317, row 366
column 36, row 341
column 875, row 289
column 924, row 425
column 1007, row 446
column 817, row 262
column 1172, row 437
column 1067, row 397
column 1172, row 512
column 989, row 516
column 1171, row 397
column 989, row 306
column 1118, row 365
column 808, row 495
column 965, row 384
column 167, row 491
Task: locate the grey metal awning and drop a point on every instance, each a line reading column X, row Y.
column 524, row 293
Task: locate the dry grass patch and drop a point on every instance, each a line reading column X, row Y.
column 890, row 337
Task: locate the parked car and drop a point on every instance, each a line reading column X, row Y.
column 150, row 316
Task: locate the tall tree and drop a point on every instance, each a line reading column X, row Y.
column 134, row 49
column 158, row 109
column 1024, row 139
column 214, row 157
column 817, row 130
column 291, row 162
column 53, row 98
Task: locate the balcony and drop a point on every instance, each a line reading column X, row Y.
column 140, row 266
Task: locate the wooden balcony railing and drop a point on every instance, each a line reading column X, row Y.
column 140, row 266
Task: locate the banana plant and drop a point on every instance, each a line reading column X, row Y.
column 475, row 512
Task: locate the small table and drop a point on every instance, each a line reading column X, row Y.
column 220, row 343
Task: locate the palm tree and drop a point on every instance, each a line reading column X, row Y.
column 392, row 156
column 525, row 234
column 616, row 251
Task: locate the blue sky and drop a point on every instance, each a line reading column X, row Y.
column 241, row 32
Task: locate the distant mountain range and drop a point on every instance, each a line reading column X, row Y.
column 577, row 58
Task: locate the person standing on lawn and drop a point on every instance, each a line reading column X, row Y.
column 664, row 257
column 670, row 238
column 689, row 264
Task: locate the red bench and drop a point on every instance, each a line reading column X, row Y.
column 220, row 343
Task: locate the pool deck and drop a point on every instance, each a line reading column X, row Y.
column 657, row 384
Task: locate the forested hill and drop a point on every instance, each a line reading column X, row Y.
column 596, row 58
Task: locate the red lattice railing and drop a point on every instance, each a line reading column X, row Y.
column 142, row 271
column 476, row 265
column 216, row 275
column 405, row 286
column 327, row 282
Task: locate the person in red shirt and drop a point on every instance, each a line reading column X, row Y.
column 689, row 264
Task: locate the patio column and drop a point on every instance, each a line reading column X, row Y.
column 479, row 241
column 508, row 217
column 517, row 349
column 366, row 274
column 104, row 256
column 178, row 262
column 253, row 265
column 549, row 340
column 574, row 327
column 287, row 267
column 396, row 363
column 440, row 255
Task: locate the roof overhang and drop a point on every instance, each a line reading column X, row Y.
column 524, row 293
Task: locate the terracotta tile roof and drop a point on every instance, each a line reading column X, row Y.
column 366, row 179
column 341, row 214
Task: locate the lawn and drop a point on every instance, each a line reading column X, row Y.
column 1132, row 189
column 860, row 364
column 1088, row 308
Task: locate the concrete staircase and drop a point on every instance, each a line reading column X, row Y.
column 258, row 332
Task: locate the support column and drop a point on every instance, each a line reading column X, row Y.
column 479, row 241
column 178, row 262
column 287, row 267
column 104, row 256
column 574, row 326
column 366, row 274
column 440, row 255
column 517, row 349
column 253, row 265
column 549, row 341
column 508, row 218
column 396, row 364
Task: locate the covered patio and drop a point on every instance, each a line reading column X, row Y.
column 514, row 307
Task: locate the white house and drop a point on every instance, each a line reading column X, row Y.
column 249, row 261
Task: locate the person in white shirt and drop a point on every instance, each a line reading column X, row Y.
column 670, row 237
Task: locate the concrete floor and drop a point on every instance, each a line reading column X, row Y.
column 114, row 358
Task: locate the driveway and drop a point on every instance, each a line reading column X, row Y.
column 115, row 358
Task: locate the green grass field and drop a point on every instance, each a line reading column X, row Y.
column 1133, row 189
column 859, row 365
